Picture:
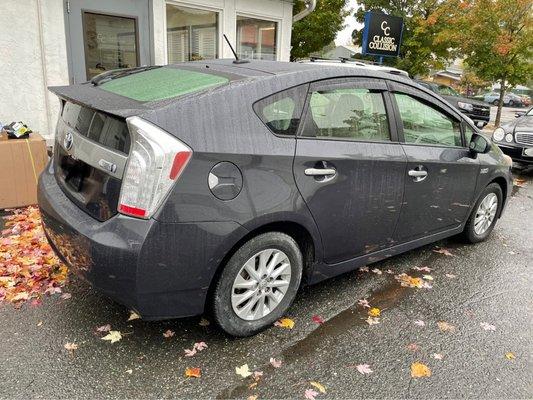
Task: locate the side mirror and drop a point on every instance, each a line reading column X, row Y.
column 519, row 114
column 479, row 144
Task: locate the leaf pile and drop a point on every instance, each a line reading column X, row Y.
column 28, row 266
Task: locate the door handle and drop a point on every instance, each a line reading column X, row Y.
column 418, row 174
column 320, row 171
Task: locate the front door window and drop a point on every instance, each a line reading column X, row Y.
column 256, row 38
column 110, row 43
column 191, row 34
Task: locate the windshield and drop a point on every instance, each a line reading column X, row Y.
column 447, row 91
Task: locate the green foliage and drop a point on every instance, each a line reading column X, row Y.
column 318, row 29
column 418, row 51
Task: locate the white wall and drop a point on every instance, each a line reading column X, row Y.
column 33, row 55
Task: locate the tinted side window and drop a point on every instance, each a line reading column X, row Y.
column 282, row 111
column 424, row 124
column 348, row 113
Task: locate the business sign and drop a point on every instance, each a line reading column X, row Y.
column 382, row 34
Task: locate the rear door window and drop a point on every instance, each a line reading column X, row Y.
column 348, row 113
column 282, row 111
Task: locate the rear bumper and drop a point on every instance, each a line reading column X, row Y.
column 158, row 269
column 516, row 154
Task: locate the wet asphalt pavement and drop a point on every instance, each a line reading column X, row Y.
column 492, row 284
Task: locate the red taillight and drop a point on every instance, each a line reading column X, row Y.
column 133, row 211
column 180, row 161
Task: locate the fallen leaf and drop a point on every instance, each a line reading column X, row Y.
column 424, row 269
column 413, row 347
column 364, row 303
column 419, row 322
column 364, row 369
column 310, row 394
column 189, row 353
column 168, row 333
column 243, row 371
column 409, row 281
column 377, row 271
column 286, row 323
column 65, row 296
column 510, row 356
column 318, row 386
column 203, row 322
column 317, row 319
column 113, row 336
column 372, row 321
column 275, row 363
column 363, row 269
column 193, row 372
column 419, row 370
column 257, row 374
column 374, row 312
column 451, row 276
column 427, row 277
column 252, row 397
column 103, row 328
column 487, row 326
column 129, row 371
column 437, row 356
column 445, row 327
column 40, row 323
column 133, row 315
column 389, row 271
column 443, row 251
column 71, row 346
column 200, row 346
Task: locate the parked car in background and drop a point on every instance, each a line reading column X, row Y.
column 476, row 110
column 515, row 138
column 509, row 99
column 216, row 186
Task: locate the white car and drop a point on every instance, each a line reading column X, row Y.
column 356, row 64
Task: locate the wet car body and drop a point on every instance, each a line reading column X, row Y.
column 517, row 139
column 165, row 266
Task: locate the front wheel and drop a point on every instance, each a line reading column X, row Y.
column 511, row 103
column 258, row 284
column 496, row 102
column 484, row 215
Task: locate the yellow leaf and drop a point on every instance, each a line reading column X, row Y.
column 510, row 356
column 253, row 397
column 113, row 336
column 285, row 323
column 374, row 312
column 193, row 372
column 318, row 386
column 133, row 315
column 445, row 327
column 243, row 371
column 419, row 370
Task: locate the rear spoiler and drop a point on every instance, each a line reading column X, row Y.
column 90, row 96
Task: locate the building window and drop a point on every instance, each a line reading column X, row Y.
column 110, row 43
column 192, row 34
column 256, row 38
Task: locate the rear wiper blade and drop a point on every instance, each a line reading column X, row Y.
column 119, row 73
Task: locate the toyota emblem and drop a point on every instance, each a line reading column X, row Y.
column 68, row 141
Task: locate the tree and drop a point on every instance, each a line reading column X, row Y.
column 318, row 29
column 418, row 52
column 495, row 37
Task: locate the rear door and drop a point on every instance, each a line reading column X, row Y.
column 441, row 174
column 349, row 166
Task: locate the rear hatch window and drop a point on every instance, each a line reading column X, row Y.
column 162, row 83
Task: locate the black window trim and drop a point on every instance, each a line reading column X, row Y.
column 360, row 82
column 429, row 101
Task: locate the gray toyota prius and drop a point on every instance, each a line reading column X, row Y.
column 221, row 186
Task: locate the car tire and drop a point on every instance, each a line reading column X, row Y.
column 223, row 298
column 511, row 103
column 496, row 102
column 470, row 233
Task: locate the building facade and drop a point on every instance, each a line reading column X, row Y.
column 56, row 42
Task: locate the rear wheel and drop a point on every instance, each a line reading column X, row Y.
column 258, row 284
column 484, row 215
column 496, row 102
column 511, row 103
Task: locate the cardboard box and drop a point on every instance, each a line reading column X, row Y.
column 21, row 163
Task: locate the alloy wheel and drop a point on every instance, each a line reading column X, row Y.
column 485, row 214
column 261, row 284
